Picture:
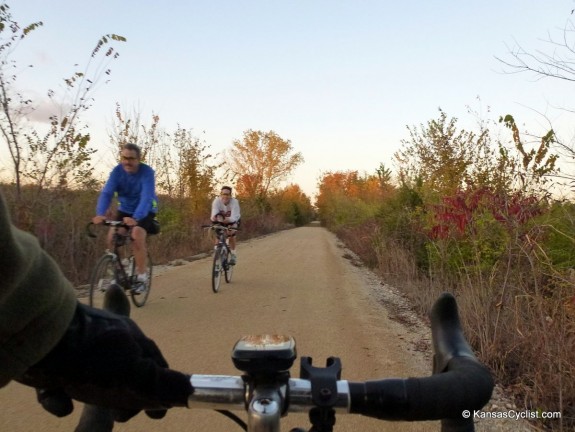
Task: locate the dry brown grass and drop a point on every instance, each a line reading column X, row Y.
column 520, row 319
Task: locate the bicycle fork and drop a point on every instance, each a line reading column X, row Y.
column 223, row 254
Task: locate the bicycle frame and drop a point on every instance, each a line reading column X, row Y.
column 122, row 240
column 221, row 255
column 124, row 276
column 119, row 240
column 223, row 239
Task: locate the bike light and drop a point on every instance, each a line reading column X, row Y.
column 264, row 354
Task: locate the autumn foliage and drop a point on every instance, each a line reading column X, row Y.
column 456, row 213
column 475, row 216
column 347, row 197
column 260, row 161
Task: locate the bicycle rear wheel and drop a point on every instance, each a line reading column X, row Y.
column 139, row 299
column 217, row 269
column 102, row 277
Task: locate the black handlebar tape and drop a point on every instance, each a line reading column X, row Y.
column 447, row 334
column 467, row 385
column 459, row 382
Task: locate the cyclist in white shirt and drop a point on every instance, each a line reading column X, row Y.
column 226, row 211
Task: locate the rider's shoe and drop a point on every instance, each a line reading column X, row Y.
column 141, row 284
column 139, row 288
column 233, row 259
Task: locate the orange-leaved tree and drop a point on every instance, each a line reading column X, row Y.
column 259, row 162
column 348, row 197
column 293, row 204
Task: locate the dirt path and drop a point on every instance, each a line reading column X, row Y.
column 300, row 282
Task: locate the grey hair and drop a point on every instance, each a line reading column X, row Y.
column 134, row 147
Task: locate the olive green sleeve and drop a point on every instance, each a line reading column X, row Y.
column 36, row 301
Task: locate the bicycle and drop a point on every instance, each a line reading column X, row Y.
column 222, row 251
column 118, row 267
column 458, row 386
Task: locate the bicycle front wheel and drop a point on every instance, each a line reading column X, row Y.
column 229, row 270
column 139, row 298
column 102, row 277
column 217, row 269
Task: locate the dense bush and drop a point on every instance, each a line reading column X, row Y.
column 514, row 282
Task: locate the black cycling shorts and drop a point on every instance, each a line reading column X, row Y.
column 145, row 223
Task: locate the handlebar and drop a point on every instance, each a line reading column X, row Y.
column 112, row 223
column 221, row 227
column 267, row 392
column 459, row 382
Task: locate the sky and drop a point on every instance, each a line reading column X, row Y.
column 341, row 80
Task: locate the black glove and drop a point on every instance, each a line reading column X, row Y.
column 106, row 360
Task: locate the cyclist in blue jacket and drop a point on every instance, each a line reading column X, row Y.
column 133, row 182
column 68, row 350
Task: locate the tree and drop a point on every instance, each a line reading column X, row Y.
column 128, row 127
column 346, row 197
column 531, row 168
column 260, row 162
column 195, row 175
column 556, row 60
column 555, row 63
column 384, row 176
column 293, row 204
column 59, row 155
column 444, row 158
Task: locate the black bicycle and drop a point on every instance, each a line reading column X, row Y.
column 459, row 386
column 221, row 262
column 118, row 267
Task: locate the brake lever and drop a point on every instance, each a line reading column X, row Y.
column 89, row 231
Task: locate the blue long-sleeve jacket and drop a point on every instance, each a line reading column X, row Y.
column 136, row 192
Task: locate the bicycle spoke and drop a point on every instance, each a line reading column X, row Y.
column 102, row 277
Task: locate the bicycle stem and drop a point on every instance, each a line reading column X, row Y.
column 265, row 409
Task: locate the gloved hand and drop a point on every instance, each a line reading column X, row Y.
column 106, row 360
